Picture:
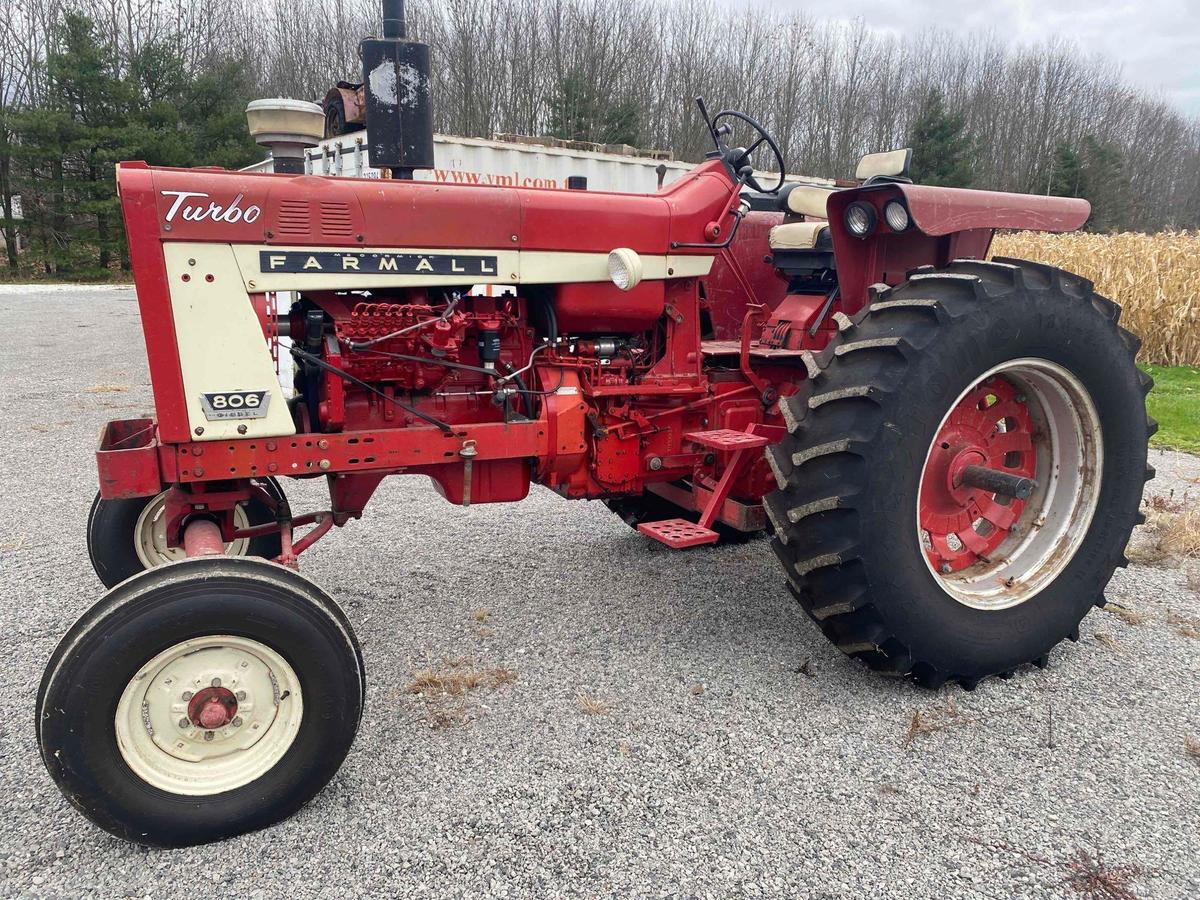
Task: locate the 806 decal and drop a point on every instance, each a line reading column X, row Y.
column 235, row 405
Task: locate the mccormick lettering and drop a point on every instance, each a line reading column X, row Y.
column 190, row 211
column 377, row 263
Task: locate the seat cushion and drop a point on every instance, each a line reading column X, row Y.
column 796, row 235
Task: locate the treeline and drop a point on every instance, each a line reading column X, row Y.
column 84, row 83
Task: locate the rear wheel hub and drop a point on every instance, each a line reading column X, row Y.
column 1027, row 423
column 990, row 426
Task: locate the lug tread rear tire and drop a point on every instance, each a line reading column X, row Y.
column 837, row 421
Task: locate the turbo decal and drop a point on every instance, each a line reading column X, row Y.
column 189, row 211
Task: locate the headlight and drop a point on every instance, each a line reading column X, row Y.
column 860, row 219
column 896, row 215
column 625, row 268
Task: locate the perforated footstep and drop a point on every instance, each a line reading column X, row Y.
column 727, row 439
column 678, row 534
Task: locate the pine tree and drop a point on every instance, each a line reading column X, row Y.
column 581, row 113
column 1096, row 172
column 942, row 151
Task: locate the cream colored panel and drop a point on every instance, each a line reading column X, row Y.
column 340, row 268
column 221, row 343
column 809, row 200
column 541, row 267
column 892, row 163
column 796, row 235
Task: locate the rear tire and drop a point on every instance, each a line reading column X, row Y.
column 861, row 440
column 116, row 528
column 121, row 717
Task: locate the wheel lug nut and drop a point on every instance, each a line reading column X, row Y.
column 237, row 722
column 185, row 723
column 208, row 735
column 187, row 695
column 216, row 682
column 241, row 695
column 946, row 569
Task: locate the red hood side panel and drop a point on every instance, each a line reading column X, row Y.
column 251, row 208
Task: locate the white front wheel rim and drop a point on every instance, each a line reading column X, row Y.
column 150, row 535
column 162, row 739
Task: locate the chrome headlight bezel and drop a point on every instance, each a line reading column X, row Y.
column 897, row 216
column 860, row 219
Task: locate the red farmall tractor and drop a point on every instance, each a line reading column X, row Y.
column 948, row 453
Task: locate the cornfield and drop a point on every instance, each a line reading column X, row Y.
column 1155, row 278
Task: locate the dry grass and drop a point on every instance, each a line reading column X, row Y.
column 1192, row 573
column 1152, row 276
column 1125, row 614
column 14, row 545
column 1086, row 875
column 1191, row 746
column 1188, row 626
column 443, row 691
column 107, row 389
column 1182, row 536
column 1172, row 531
column 459, row 678
column 935, row 720
column 1091, row 878
column 1107, row 640
column 481, row 615
column 591, row 705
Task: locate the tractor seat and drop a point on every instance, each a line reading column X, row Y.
column 802, row 250
column 799, row 236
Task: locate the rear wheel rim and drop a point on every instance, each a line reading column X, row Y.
column 1028, row 417
column 209, row 715
column 150, row 535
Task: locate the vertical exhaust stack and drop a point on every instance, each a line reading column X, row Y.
column 396, row 89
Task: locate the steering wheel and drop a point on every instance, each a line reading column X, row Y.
column 739, row 159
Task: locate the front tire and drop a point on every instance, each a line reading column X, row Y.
column 201, row 700
column 902, row 565
column 125, row 537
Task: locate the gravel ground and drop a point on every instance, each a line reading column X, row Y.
column 735, row 752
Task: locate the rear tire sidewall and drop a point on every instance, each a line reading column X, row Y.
column 112, row 533
column 910, row 599
column 97, row 659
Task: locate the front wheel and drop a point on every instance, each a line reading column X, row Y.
column 125, row 537
column 962, row 474
column 201, row 700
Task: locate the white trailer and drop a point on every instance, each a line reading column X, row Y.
column 510, row 163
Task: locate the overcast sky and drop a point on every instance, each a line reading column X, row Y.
column 1156, row 41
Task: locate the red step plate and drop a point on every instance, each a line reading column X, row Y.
column 727, row 439
column 678, row 534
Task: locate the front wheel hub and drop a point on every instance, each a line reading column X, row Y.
column 213, row 707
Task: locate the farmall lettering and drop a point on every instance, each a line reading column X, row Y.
column 365, row 263
column 193, row 206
